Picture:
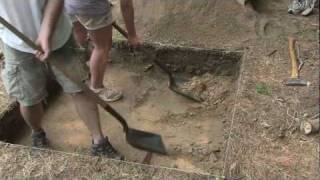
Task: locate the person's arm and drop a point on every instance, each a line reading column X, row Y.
column 52, row 12
column 128, row 16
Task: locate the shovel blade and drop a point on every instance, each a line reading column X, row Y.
column 146, row 141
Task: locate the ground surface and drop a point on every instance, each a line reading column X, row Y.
column 264, row 142
column 262, row 139
column 21, row 162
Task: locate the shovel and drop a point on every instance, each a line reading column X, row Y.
column 140, row 139
column 173, row 85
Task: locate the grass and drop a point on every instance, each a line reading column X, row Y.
column 263, row 89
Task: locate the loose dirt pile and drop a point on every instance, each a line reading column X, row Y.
column 211, row 89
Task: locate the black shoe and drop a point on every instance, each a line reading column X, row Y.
column 104, row 148
column 39, row 140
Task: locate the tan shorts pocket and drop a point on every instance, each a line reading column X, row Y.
column 12, row 81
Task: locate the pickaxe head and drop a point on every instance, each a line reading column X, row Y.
column 297, row 82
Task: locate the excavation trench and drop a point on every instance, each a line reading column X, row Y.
column 194, row 133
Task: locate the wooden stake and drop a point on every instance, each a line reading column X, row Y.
column 310, row 126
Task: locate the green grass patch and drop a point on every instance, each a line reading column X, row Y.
column 263, row 89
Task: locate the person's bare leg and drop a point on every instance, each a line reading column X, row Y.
column 102, row 41
column 88, row 111
column 80, row 34
column 33, row 116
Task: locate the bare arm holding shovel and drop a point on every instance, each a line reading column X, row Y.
column 52, row 13
column 128, row 16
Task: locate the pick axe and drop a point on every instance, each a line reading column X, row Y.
column 294, row 79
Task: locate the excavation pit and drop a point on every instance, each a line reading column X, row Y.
column 194, row 133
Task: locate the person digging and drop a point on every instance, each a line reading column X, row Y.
column 95, row 18
column 25, row 70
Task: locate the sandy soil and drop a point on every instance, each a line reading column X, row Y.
column 193, row 132
column 264, row 142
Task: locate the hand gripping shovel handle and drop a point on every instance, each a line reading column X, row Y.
column 120, row 30
column 87, row 90
column 172, row 82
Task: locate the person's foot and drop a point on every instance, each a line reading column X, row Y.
column 310, row 6
column 304, row 7
column 108, row 94
column 104, row 148
column 39, row 140
column 297, row 6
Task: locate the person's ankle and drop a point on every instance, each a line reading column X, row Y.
column 37, row 130
column 95, row 87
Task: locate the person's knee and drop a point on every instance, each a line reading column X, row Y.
column 80, row 34
column 102, row 51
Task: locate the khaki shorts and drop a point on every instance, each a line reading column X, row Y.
column 24, row 77
column 94, row 22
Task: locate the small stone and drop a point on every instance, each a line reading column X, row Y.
column 148, row 67
column 279, row 99
column 266, row 125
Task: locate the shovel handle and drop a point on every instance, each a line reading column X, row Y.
column 87, row 90
column 19, row 34
column 120, row 30
column 163, row 67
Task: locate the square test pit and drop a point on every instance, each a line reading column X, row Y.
column 194, row 133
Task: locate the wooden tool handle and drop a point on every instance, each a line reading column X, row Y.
column 19, row 34
column 120, row 30
column 293, row 58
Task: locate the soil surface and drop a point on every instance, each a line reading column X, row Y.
column 264, row 142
